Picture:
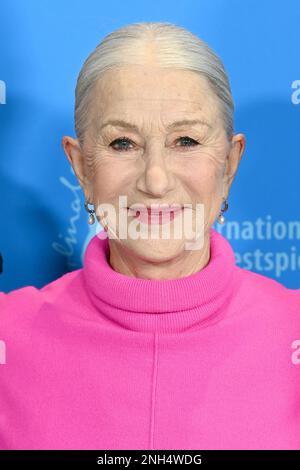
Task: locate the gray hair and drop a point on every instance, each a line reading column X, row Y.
column 174, row 47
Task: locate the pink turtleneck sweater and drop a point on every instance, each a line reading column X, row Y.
column 100, row 360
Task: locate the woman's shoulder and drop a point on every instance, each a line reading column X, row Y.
column 30, row 298
column 261, row 290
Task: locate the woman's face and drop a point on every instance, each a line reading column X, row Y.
column 153, row 162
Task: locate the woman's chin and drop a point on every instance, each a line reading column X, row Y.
column 155, row 250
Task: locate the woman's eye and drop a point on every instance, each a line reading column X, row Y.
column 187, row 139
column 123, row 141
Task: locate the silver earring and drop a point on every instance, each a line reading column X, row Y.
column 91, row 219
column 221, row 218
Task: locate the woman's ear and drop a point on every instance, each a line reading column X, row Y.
column 74, row 154
column 233, row 159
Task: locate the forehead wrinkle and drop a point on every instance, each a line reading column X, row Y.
column 176, row 124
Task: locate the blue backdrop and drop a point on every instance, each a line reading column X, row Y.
column 44, row 230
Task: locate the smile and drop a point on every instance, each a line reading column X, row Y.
column 155, row 215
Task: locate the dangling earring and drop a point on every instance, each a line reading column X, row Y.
column 91, row 219
column 221, row 218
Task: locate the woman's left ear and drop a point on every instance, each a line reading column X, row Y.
column 233, row 159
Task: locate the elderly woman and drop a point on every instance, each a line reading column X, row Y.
column 160, row 341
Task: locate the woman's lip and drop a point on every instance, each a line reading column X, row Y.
column 154, row 216
column 156, row 211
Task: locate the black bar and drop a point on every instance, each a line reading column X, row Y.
column 135, row 458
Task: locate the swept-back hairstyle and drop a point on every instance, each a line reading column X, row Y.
column 172, row 46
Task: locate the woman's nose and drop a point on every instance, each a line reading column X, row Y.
column 156, row 177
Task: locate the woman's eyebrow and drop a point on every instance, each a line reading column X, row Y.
column 129, row 125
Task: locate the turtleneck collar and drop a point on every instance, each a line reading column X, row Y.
column 163, row 306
